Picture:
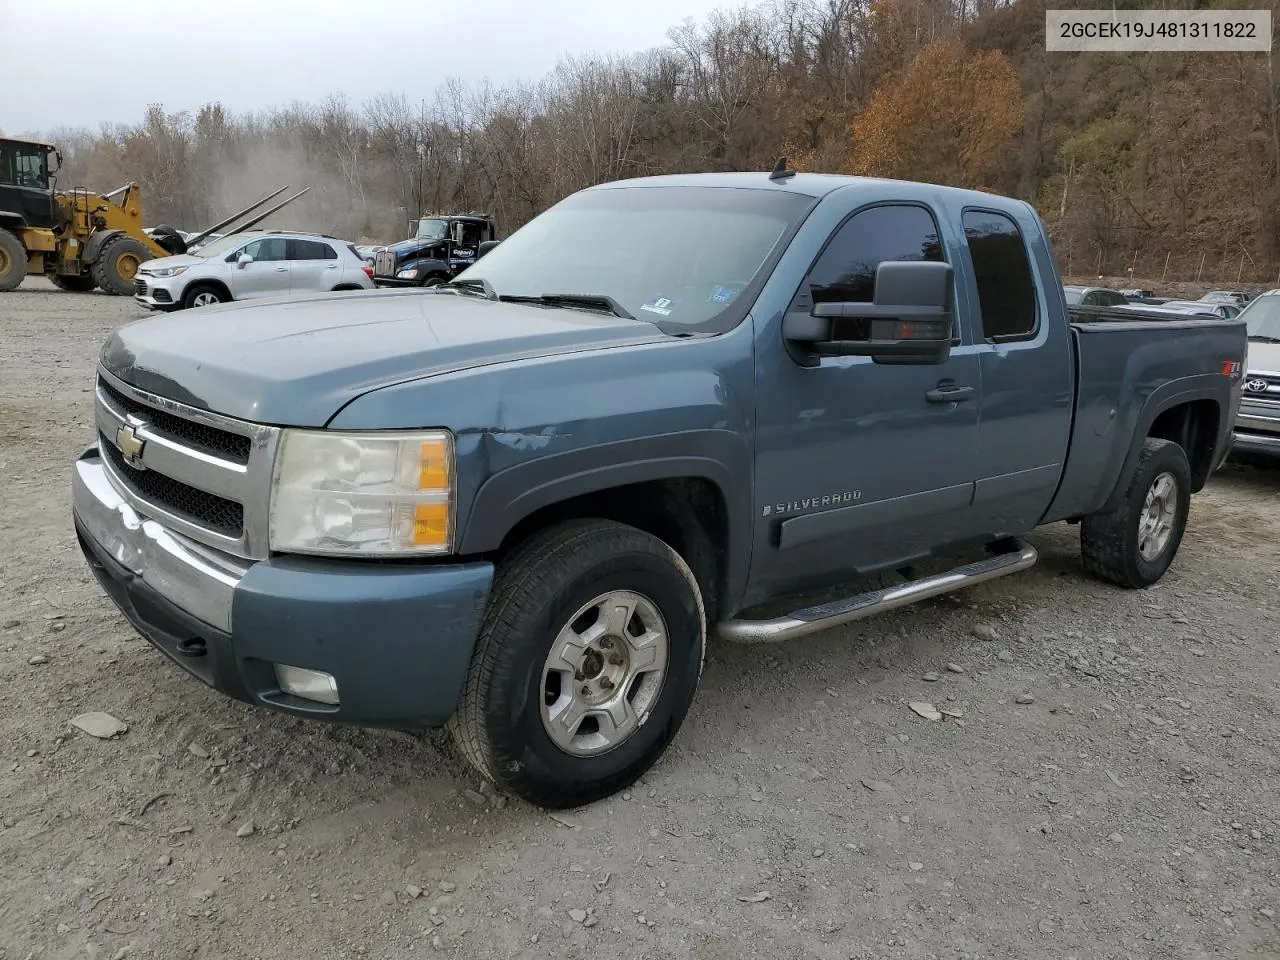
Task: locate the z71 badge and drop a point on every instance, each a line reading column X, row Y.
column 811, row 503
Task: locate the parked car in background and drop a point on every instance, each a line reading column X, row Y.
column 1226, row 311
column 1093, row 297
column 1257, row 425
column 1238, row 297
column 517, row 503
column 249, row 265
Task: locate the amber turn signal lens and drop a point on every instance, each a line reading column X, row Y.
column 431, row 524
column 433, row 465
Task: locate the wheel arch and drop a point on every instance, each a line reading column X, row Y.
column 216, row 284
column 1184, row 415
column 686, row 489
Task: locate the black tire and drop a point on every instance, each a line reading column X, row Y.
column 435, row 280
column 13, row 261
column 72, row 284
column 1110, row 542
column 118, row 263
column 499, row 723
column 202, row 291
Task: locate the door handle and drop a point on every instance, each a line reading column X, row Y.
column 332, row 266
column 282, row 269
column 948, row 393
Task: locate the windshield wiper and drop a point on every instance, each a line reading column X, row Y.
column 471, row 285
column 1259, row 338
column 596, row 301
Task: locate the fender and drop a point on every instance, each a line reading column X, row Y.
column 719, row 456
column 1206, row 386
column 93, row 246
column 12, row 219
column 429, row 266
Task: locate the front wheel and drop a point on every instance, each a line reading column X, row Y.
column 588, row 660
column 1134, row 544
column 203, row 296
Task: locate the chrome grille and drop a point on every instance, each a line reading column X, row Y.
column 1261, row 387
column 202, row 474
column 384, row 263
column 224, row 516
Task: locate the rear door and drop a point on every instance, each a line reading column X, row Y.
column 313, row 266
column 266, row 276
column 1026, row 370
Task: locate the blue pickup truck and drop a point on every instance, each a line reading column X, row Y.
column 518, row 503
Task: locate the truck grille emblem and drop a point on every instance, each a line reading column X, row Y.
column 130, row 445
column 1256, row 386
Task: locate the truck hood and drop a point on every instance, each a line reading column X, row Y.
column 1263, row 358
column 163, row 263
column 297, row 362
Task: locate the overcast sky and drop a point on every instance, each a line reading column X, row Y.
column 82, row 62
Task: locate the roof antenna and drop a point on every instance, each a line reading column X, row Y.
column 780, row 171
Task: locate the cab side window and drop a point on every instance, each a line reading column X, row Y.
column 1006, row 290
column 846, row 269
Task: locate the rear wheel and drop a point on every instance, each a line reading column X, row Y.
column 203, row 295
column 72, row 283
column 586, row 665
column 1134, row 544
column 118, row 263
column 13, row 261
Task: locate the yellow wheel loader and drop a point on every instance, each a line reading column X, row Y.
column 77, row 238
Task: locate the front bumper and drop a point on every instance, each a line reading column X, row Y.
column 397, row 637
column 157, row 293
column 395, row 282
column 1257, row 430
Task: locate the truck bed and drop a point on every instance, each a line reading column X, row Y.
column 1127, row 370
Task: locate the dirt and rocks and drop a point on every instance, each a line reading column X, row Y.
column 1098, row 779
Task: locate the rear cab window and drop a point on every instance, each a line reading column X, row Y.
column 1002, row 272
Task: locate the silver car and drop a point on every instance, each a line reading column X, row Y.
column 250, row 265
column 1257, row 426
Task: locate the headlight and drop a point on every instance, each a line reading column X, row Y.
column 410, row 274
column 366, row 494
column 166, row 271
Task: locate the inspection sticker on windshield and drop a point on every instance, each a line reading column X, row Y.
column 660, row 305
column 722, row 295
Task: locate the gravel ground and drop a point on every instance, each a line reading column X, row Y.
column 1105, row 787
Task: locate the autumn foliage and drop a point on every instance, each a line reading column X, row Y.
column 949, row 117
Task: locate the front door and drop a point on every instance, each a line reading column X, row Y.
column 267, row 275
column 862, row 466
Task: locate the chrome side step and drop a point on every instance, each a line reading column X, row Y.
column 824, row 616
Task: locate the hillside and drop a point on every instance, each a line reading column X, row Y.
column 1163, row 163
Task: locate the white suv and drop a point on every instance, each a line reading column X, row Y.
column 245, row 266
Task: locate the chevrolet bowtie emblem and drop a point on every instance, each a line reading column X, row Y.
column 130, row 445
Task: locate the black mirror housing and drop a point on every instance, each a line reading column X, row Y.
column 909, row 320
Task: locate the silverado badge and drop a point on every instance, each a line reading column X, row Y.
column 130, row 445
column 812, row 503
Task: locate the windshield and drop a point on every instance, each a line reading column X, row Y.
column 432, row 229
column 677, row 256
column 1262, row 318
column 215, row 248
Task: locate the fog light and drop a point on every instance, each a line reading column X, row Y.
column 311, row 684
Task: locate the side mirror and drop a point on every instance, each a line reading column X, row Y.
column 910, row 318
column 485, row 247
column 244, row 260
